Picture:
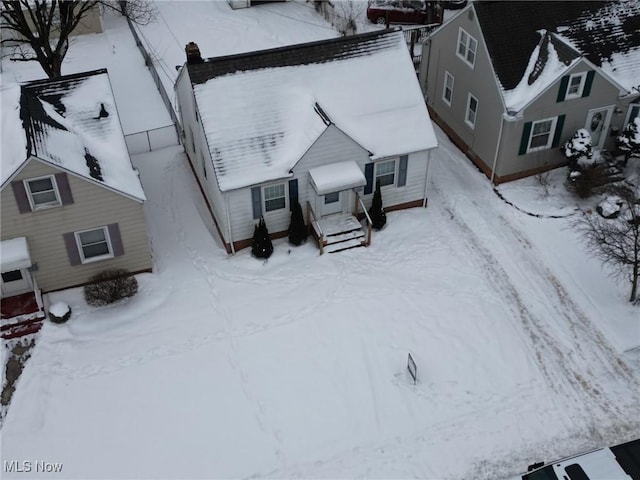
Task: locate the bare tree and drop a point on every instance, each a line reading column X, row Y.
column 44, row 26
column 616, row 241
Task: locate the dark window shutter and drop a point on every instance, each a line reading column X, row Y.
column 72, row 248
column 558, row 132
column 402, row 170
column 116, row 239
column 256, row 202
column 588, row 82
column 368, row 175
column 524, row 141
column 63, row 188
column 293, row 193
column 21, row 196
column 562, row 93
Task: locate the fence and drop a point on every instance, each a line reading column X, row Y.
column 415, row 37
column 339, row 20
column 151, row 140
column 148, row 60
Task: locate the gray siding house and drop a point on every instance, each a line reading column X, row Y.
column 509, row 82
column 72, row 204
column 314, row 123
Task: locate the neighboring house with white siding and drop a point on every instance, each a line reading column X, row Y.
column 72, row 203
column 511, row 81
column 315, row 123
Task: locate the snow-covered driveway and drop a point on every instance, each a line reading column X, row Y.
column 228, row 367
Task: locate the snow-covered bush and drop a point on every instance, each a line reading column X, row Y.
column 110, row 286
column 376, row 212
column 578, row 148
column 59, row 312
column 297, row 229
column 261, row 246
column 629, row 140
column 610, row 207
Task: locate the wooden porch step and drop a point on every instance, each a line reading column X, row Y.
column 345, row 245
column 342, row 237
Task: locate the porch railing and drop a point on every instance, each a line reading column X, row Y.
column 366, row 214
column 310, row 215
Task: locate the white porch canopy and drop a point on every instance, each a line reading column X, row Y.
column 14, row 254
column 336, row 177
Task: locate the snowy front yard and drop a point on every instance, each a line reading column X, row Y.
column 229, row 367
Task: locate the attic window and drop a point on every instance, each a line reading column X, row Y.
column 576, row 85
column 467, row 47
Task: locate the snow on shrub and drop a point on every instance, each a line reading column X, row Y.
column 610, row 207
column 297, row 229
column 629, row 140
column 376, row 212
column 261, row 246
column 578, row 148
column 59, row 312
column 110, row 286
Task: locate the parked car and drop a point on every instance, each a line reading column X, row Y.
column 621, row 462
column 399, row 11
column 454, row 4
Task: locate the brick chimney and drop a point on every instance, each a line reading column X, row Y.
column 193, row 53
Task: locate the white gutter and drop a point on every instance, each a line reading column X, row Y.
column 495, row 157
column 426, row 179
column 226, row 208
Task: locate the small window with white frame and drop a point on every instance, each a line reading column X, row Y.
column 274, row 197
column 467, row 48
column 575, row 87
column 472, row 111
column 541, row 136
column 447, row 92
column 386, row 172
column 42, row 192
column 632, row 113
column 94, row 244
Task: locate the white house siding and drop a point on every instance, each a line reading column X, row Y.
column 440, row 54
column 199, row 151
column 603, row 94
column 94, row 206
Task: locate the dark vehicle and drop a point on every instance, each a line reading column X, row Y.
column 398, row 11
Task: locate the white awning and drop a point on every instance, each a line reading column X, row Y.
column 336, row 177
column 14, row 254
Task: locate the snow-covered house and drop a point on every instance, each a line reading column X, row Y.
column 315, row 123
column 72, row 203
column 511, row 81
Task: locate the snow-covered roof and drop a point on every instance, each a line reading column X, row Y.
column 262, row 110
column 607, row 33
column 14, row 254
column 337, row 176
column 71, row 123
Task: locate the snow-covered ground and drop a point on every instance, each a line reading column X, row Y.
column 225, row 366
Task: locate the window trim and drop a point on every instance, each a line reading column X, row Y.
column 97, row 258
column 472, row 125
column 467, row 49
column 627, row 119
column 448, row 76
column 331, row 195
column 27, row 188
column 395, row 173
column 583, row 82
column 552, row 129
column 284, row 195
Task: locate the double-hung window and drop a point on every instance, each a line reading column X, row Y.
column 386, row 172
column 472, row 111
column 576, row 84
column 447, row 91
column 541, row 134
column 94, row 244
column 274, row 197
column 42, row 192
column 467, row 47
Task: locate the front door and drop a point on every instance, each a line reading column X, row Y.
column 15, row 282
column 332, row 203
column 597, row 125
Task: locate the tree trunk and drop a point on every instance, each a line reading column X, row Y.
column 634, row 283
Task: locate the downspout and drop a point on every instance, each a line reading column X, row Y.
column 426, row 179
column 226, row 208
column 498, row 144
